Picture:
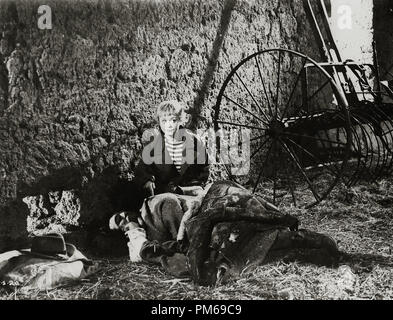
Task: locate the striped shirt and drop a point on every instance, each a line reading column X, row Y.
column 175, row 150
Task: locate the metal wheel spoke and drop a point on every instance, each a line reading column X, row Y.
column 264, row 87
column 256, row 151
column 308, row 99
column 259, row 148
column 245, row 109
column 293, row 90
column 297, row 162
column 262, row 168
column 295, row 132
column 241, row 125
column 313, row 138
column 253, row 139
column 257, row 138
column 317, row 91
column 360, row 160
column 319, row 161
column 274, row 172
column 278, row 84
column 252, row 96
column 291, row 186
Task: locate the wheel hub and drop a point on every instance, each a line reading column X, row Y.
column 276, row 128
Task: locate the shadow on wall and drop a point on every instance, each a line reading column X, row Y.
column 90, row 201
column 13, row 227
column 212, row 62
column 92, row 198
column 67, row 202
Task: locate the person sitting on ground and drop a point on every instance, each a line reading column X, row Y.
column 225, row 227
column 174, row 161
column 175, row 157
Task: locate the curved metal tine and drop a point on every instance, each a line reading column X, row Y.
column 262, row 168
column 251, row 95
column 354, row 175
column 389, row 168
column 264, row 86
column 384, row 150
column 388, row 136
column 293, row 90
column 366, row 138
column 313, row 156
column 380, row 157
column 370, row 152
column 377, row 168
column 357, row 146
column 278, row 83
column 294, row 158
column 368, row 165
column 373, row 169
column 332, row 142
column 362, row 159
column 387, row 132
column 388, row 123
column 347, row 174
column 377, row 137
column 368, row 159
column 245, row 109
column 240, row 125
column 383, row 119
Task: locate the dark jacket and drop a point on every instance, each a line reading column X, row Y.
column 156, row 164
column 227, row 209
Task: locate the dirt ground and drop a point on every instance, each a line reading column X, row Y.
column 359, row 218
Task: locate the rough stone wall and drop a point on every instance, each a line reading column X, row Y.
column 75, row 100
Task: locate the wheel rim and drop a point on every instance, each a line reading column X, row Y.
column 291, row 130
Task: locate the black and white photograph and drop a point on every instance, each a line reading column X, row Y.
column 209, row 151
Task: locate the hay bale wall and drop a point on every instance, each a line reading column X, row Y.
column 74, row 100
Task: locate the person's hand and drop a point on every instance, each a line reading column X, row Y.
column 150, row 186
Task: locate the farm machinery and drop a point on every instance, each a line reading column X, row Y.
column 311, row 124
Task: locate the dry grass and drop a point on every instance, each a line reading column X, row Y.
column 359, row 218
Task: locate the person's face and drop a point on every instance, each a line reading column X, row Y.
column 169, row 124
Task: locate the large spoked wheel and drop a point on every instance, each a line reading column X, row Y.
column 284, row 127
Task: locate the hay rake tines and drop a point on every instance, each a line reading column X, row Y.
column 311, row 124
column 370, row 104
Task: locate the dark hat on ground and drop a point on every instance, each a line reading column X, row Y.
column 51, row 246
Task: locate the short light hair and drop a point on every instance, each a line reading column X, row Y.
column 172, row 108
